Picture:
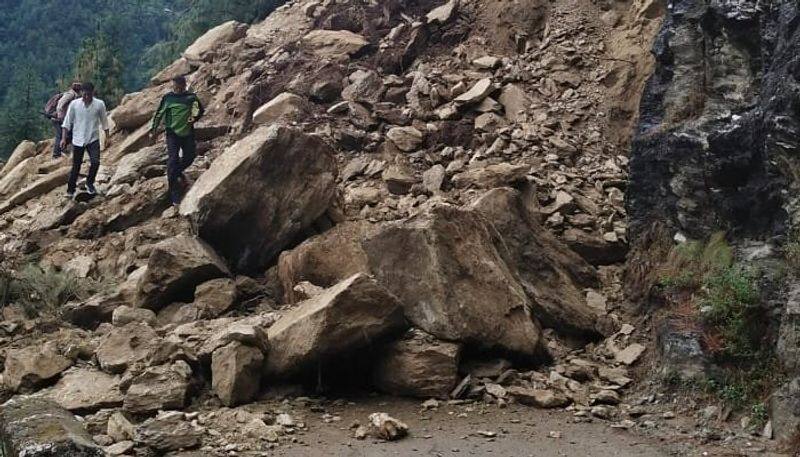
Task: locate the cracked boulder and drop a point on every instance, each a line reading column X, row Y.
column 267, row 189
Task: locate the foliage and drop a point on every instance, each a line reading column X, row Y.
column 730, row 306
column 19, row 118
column 97, row 61
column 39, row 288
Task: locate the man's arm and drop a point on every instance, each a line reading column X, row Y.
column 159, row 116
column 104, row 123
column 66, row 127
column 197, row 110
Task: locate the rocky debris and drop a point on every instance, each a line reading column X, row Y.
column 236, row 373
column 204, row 47
column 386, row 427
column 279, row 162
column 215, row 297
column 418, row 366
column 540, row 398
column 158, row 388
column 477, row 93
column 33, row 366
column 124, row 315
column 351, row 315
column 176, row 266
column 123, row 346
column 35, row 427
column 630, row 354
column 167, row 432
column 333, row 43
column 120, row 428
column 37, row 188
column 405, row 138
column 85, row 389
column 365, row 87
column 444, row 13
column 201, row 338
column 283, row 106
column 147, row 162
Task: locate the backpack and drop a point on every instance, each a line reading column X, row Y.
column 51, row 106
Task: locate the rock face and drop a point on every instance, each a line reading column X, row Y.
column 784, row 411
column 205, row 45
column 266, row 188
column 32, row 366
column 348, row 316
column 283, row 106
column 726, row 177
column 420, row 366
column 35, row 427
column 175, row 268
column 236, row 373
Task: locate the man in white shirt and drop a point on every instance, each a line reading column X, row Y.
column 85, row 116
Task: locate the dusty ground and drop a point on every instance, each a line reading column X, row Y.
column 460, row 430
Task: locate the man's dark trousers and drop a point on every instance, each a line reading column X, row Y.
column 177, row 163
column 93, row 149
column 57, row 146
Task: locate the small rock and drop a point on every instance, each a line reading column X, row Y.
column 386, row 427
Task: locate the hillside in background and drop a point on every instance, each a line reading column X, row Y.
column 117, row 44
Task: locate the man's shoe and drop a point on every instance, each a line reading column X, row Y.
column 70, row 195
column 91, row 190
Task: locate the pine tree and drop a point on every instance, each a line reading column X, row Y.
column 21, row 117
column 97, row 62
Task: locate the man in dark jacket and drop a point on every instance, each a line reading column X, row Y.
column 179, row 110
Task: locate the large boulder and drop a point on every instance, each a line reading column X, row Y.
column 162, row 387
column 204, row 46
column 37, row 427
column 420, row 366
column 24, row 150
column 180, row 67
column 346, row 317
column 175, row 268
column 40, row 186
column 32, row 366
column 202, row 338
column 136, row 109
column 284, row 106
column 18, row 176
column 333, row 43
column 215, row 297
column 168, row 432
column 265, row 189
column 236, row 373
column 326, row 259
column 134, row 166
column 442, row 264
column 123, row 346
column 86, row 390
column 453, row 282
column 553, row 276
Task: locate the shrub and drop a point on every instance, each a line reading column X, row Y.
column 730, row 304
column 39, row 288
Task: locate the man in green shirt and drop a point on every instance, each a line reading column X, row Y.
column 179, row 110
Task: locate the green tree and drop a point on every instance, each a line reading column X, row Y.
column 97, row 61
column 21, row 118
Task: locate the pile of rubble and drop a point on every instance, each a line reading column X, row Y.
column 382, row 189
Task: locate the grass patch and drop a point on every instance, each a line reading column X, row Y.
column 39, row 289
